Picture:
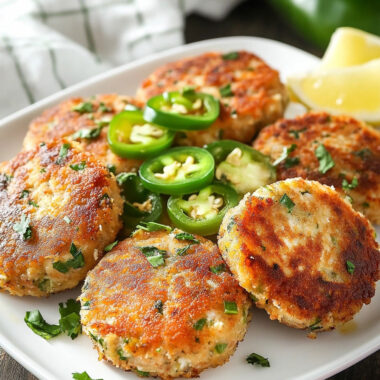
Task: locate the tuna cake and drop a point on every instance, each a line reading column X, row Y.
column 250, row 92
column 305, row 255
column 86, row 121
column 164, row 304
column 335, row 150
column 59, row 208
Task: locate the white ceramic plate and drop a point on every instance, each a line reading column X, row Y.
column 291, row 354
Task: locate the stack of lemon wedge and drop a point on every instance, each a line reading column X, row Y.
column 348, row 79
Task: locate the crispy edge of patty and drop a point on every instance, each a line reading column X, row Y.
column 182, row 286
column 89, row 198
column 354, row 147
column 256, row 239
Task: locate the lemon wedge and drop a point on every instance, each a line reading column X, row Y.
column 351, row 90
column 350, row 47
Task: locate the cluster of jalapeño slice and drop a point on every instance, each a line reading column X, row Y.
column 201, row 184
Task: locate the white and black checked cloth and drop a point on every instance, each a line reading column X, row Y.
column 47, row 45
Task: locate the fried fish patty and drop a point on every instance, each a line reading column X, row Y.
column 90, row 116
column 353, row 146
column 59, row 208
column 307, row 257
column 250, row 92
column 164, row 317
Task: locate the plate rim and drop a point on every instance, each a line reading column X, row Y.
column 331, row 368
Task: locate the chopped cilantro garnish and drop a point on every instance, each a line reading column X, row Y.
column 230, row 307
column 285, row 154
column 287, row 202
column 363, row 153
column 230, row 56
column 217, row 269
column 365, row 204
column 220, row 347
column 79, row 166
column 253, row 297
column 82, row 376
column 23, row 227
column 186, row 236
column 183, row 251
column 154, row 255
column 86, row 305
column 70, row 318
column 63, row 153
column 315, row 325
column 291, row 161
column 88, row 134
column 32, row 203
column 111, row 168
column 199, row 324
column 109, row 247
column 76, row 262
column 153, row 226
column 226, row 91
column 44, row 285
column 39, row 326
column 142, row 373
column 120, row 352
column 325, row 160
column 350, row 267
column 296, row 132
column 43, row 170
column 104, row 108
column 349, row 186
column 158, row 305
column 85, row 107
column 24, row 194
column 258, row 359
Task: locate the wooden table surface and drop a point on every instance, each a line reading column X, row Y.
column 251, row 18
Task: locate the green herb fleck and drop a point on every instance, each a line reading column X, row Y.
column 76, row 262
column 230, row 56
column 183, row 251
column 63, row 153
column 39, row 326
column 349, row 186
column 217, row 269
column 291, row 161
column 258, row 359
column 24, row 194
column 287, row 202
column 363, row 153
column 285, row 154
column 82, row 376
column 79, row 166
column 142, row 373
column 44, row 285
column 296, row 132
column 220, row 347
column 365, row 204
column 109, row 247
column 186, row 236
column 104, row 108
column 350, row 267
column 84, row 107
column 120, row 352
column 86, row 305
column 199, row 324
column 70, row 318
column 154, row 255
column 230, row 307
column 315, row 325
column 226, row 91
column 23, row 227
column 88, row 134
column 325, row 160
column 43, row 170
column 111, row 168
column 153, row 226
column 253, row 298
column 158, row 305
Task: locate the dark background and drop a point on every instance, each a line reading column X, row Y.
column 250, row 18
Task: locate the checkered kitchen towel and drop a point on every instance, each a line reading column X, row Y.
column 47, row 45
